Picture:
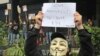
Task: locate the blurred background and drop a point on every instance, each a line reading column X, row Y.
column 16, row 19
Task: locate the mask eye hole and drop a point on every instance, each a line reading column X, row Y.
column 62, row 44
column 53, row 43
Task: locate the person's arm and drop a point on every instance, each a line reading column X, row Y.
column 31, row 42
column 31, row 48
column 86, row 47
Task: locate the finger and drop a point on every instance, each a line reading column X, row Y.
column 33, row 19
column 38, row 21
column 40, row 12
column 76, row 14
column 77, row 17
column 39, row 15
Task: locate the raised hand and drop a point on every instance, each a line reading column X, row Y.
column 38, row 19
column 78, row 21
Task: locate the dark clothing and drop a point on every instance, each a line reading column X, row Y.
column 15, row 29
column 86, row 47
column 31, row 47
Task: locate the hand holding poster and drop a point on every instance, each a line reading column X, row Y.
column 58, row 14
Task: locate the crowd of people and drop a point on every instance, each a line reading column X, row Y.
column 59, row 44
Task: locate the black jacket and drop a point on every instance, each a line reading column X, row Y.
column 31, row 47
column 86, row 47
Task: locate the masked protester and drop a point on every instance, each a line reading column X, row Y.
column 59, row 44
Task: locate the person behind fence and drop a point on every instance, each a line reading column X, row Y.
column 59, row 44
column 15, row 35
column 10, row 37
column 24, row 28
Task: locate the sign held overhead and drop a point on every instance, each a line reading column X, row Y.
column 58, row 14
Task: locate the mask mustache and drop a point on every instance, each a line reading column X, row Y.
column 57, row 49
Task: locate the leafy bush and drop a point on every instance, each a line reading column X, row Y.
column 95, row 32
column 3, row 34
column 16, row 50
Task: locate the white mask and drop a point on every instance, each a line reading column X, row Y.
column 58, row 47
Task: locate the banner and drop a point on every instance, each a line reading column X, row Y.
column 4, row 1
column 58, row 14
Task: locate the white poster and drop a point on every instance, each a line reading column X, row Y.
column 6, row 12
column 58, row 14
column 9, row 6
column 25, row 8
column 4, row 1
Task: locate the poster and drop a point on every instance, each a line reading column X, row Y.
column 58, row 14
